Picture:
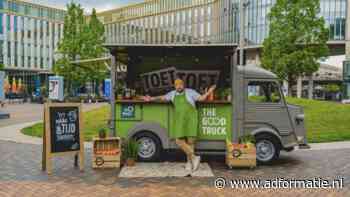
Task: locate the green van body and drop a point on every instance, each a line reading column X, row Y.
column 214, row 119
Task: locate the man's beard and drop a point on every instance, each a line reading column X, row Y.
column 180, row 91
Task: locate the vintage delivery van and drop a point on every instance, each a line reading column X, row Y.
column 275, row 124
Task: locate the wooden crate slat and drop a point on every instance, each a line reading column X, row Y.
column 102, row 149
column 246, row 159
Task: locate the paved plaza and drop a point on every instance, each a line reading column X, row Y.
column 21, row 175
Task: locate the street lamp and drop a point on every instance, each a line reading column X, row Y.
column 238, row 80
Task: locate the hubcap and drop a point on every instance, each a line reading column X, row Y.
column 147, row 147
column 265, row 150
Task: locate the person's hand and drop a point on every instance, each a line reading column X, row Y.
column 212, row 89
column 146, row 98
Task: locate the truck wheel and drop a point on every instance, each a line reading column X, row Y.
column 267, row 148
column 150, row 146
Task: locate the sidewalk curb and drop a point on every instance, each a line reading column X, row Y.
column 13, row 134
column 328, row 146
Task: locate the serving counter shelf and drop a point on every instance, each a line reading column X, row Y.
column 138, row 101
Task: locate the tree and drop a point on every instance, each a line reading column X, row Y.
column 93, row 47
column 297, row 39
column 332, row 88
column 2, row 66
column 82, row 39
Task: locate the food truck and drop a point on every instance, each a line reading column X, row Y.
column 274, row 124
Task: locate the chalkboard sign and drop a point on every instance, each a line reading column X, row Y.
column 64, row 127
column 62, row 133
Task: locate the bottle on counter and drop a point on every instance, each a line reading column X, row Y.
column 133, row 93
column 127, row 93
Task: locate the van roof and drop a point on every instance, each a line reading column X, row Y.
column 254, row 71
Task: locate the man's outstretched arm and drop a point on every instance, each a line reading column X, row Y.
column 205, row 95
column 154, row 98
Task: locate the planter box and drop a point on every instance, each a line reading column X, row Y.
column 240, row 155
column 106, row 152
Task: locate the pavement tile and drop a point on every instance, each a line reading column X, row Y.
column 21, row 175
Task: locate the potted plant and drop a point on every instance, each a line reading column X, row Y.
column 102, row 133
column 131, row 150
column 219, row 94
column 227, row 94
column 247, row 140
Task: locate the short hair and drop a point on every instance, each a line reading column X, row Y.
column 178, row 81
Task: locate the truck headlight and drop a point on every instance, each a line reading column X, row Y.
column 299, row 118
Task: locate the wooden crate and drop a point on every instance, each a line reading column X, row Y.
column 106, row 152
column 240, row 155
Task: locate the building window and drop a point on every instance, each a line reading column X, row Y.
column 1, row 51
column 15, row 27
column 8, row 22
column 1, row 23
column 8, row 49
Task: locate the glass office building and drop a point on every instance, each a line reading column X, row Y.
column 173, row 22
column 257, row 24
column 209, row 22
column 204, row 21
column 29, row 34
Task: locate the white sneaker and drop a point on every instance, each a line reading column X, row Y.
column 188, row 166
column 196, row 160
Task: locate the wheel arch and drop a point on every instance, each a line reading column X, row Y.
column 268, row 131
column 151, row 127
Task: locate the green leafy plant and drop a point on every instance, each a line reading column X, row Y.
column 43, row 90
column 227, row 92
column 247, row 139
column 131, row 149
column 102, row 133
column 332, row 88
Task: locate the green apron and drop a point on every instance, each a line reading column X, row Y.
column 185, row 118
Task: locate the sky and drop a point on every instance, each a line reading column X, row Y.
column 100, row 5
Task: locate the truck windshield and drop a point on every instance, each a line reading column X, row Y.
column 263, row 92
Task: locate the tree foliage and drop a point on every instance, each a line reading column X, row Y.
column 2, row 66
column 83, row 38
column 332, row 88
column 93, row 47
column 297, row 39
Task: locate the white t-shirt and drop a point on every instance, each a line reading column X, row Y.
column 191, row 95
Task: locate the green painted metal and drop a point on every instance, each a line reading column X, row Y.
column 214, row 122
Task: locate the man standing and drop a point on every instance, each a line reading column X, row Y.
column 185, row 119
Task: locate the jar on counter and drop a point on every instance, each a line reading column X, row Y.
column 127, row 93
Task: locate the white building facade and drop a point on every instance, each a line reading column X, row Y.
column 29, row 35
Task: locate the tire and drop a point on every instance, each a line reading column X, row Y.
column 150, row 146
column 267, row 148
